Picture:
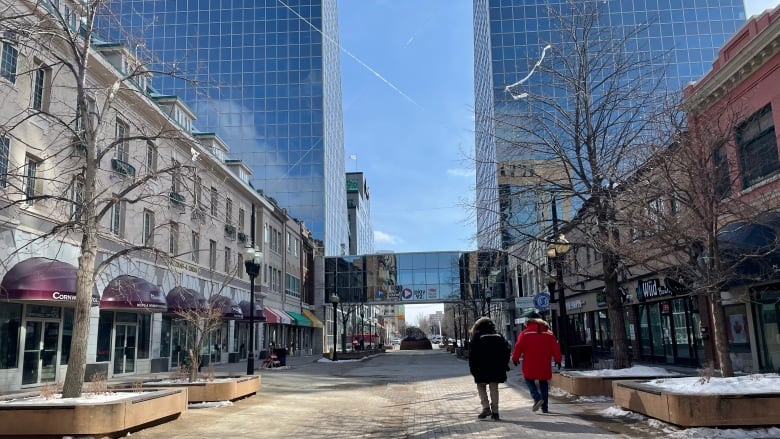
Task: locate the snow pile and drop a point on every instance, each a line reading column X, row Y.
column 209, row 404
column 740, row 385
column 635, row 371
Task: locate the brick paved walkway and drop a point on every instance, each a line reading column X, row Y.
column 400, row 394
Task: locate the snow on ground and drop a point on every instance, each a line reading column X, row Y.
column 57, row 399
column 634, row 372
column 210, row 404
column 739, row 385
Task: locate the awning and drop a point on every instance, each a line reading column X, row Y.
column 182, row 299
column 130, row 292
column 317, row 323
column 42, row 279
column 300, row 320
column 259, row 314
column 226, row 305
column 277, row 316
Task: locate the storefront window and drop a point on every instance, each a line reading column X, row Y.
column 11, row 318
column 645, row 343
column 769, row 336
column 683, row 342
column 656, row 331
column 736, row 328
column 144, row 334
column 105, row 324
column 165, row 337
column 67, row 335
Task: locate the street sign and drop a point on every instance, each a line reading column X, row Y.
column 542, row 301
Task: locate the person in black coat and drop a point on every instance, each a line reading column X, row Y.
column 488, row 362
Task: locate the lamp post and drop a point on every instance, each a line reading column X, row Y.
column 334, row 299
column 488, row 298
column 555, row 252
column 253, row 259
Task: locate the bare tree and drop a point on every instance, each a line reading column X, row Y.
column 579, row 127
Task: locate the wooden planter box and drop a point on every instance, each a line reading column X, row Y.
column 582, row 385
column 101, row 419
column 222, row 389
column 692, row 410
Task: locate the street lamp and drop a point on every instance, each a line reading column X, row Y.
column 555, row 252
column 334, row 299
column 253, row 259
column 488, row 297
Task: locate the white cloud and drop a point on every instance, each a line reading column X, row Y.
column 461, row 172
column 384, row 238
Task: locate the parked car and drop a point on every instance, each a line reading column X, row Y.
column 396, row 341
column 436, row 339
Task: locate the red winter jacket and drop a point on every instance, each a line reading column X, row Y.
column 538, row 346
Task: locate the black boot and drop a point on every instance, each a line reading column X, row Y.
column 485, row 413
column 494, row 416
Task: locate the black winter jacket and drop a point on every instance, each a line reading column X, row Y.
column 489, row 358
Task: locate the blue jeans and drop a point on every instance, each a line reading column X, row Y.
column 540, row 393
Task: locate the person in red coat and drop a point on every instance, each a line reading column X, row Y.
column 537, row 346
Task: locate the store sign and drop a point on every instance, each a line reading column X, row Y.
column 574, row 305
column 651, row 289
column 352, row 186
column 601, row 299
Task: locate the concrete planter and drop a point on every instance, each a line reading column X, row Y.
column 692, row 410
column 583, row 385
column 222, row 389
column 101, row 419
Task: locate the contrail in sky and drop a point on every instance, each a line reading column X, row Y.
column 381, row 78
column 522, row 95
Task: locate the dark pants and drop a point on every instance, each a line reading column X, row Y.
column 540, row 393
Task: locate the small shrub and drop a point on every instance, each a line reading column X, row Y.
column 138, row 386
column 97, row 384
column 209, row 375
column 181, row 374
column 49, row 391
column 705, row 374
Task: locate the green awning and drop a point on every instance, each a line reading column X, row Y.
column 300, row 320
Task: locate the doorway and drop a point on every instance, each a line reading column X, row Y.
column 125, row 348
column 41, row 344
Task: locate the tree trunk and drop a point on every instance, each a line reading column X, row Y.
column 719, row 332
column 77, row 363
column 617, row 320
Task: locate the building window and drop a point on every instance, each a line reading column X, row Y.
column 122, row 149
column 76, row 198
column 266, row 232
column 148, row 231
column 8, row 61
column 228, row 211
column 240, row 266
column 296, row 247
column 214, row 201
column 176, row 178
column 227, row 260
column 195, row 255
column 757, row 146
column 173, row 241
column 5, row 148
column 117, row 217
column 240, row 220
column 212, row 254
column 289, row 242
column 40, row 88
column 151, row 157
column 31, row 179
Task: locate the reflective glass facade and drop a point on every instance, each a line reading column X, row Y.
column 263, row 77
column 415, row 277
column 509, row 38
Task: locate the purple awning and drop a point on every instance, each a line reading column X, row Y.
column 130, row 292
column 259, row 314
column 227, row 306
column 181, row 299
column 42, row 279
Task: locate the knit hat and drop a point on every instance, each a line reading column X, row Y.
column 532, row 314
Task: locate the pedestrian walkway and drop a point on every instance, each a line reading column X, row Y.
column 399, row 394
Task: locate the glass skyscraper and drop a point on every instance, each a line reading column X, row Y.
column 510, row 36
column 264, row 76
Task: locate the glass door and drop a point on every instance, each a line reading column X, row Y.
column 124, row 348
column 41, row 344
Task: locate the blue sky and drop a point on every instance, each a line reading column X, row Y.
column 408, row 101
